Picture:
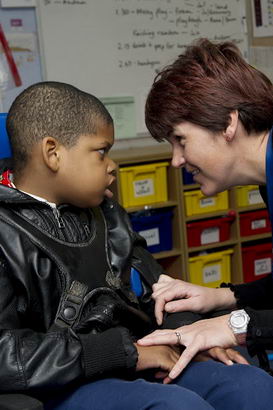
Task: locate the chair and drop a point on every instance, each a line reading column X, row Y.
column 19, row 402
column 13, row 401
column 5, row 150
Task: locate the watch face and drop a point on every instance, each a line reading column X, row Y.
column 238, row 320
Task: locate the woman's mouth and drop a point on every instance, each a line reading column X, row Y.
column 195, row 172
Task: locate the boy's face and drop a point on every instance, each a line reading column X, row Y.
column 86, row 171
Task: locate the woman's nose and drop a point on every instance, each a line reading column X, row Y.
column 178, row 157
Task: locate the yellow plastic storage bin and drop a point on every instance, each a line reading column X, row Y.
column 248, row 195
column 211, row 269
column 197, row 203
column 144, row 184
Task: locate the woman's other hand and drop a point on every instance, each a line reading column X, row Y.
column 174, row 295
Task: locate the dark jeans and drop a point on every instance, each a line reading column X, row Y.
column 202, row 386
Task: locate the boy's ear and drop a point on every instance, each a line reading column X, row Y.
column 51, row 153
column 232, row 127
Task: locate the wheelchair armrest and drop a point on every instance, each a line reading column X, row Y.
column 19, row 402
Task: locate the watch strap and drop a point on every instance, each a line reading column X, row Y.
column 241, row 338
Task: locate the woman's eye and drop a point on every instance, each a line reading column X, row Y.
column 182, row 141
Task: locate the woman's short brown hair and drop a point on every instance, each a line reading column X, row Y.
column 203, row 86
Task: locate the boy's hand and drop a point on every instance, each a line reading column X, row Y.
column 162, row 358
column 227, row 356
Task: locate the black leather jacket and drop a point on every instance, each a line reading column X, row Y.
column 69, row 315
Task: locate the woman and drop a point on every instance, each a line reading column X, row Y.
column 217, row 113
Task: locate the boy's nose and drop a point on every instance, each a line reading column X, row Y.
column 112, row 166
column 178, row 157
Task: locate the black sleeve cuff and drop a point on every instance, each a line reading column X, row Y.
column 259, row 331
column 256, row 294
column 110, row 351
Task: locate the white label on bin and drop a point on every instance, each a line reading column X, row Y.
column 259, row 223
column 151, row 236
column 207, row 202
column 143, row 187
column 211, row 273
column 262, row 266
column 210, row 235
column 254, row 197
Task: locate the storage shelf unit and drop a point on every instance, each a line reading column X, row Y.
column 176, row 261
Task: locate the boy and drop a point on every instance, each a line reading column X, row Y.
column 68, row 317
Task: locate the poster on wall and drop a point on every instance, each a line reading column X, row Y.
column 20, row 30
column 262, row 17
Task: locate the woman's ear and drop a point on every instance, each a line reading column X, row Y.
column 51, row 153
column 230, row 131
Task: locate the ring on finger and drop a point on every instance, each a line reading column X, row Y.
column 178, row 335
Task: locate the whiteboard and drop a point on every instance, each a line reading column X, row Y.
column 115, row 47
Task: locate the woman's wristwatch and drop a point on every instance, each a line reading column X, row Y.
column 238, row 321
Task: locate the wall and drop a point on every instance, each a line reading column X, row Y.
column 116, row 47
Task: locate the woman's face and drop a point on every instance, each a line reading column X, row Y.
column 205, row 154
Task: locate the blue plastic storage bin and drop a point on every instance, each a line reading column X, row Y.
column 5, row 150
column 156, row 227
column 187, row 177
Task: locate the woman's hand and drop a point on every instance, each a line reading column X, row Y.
column 197, row 337
column 174, row 295
column 226, row 356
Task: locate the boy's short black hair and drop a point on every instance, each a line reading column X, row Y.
column 52, row 109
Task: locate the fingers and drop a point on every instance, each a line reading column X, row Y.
column 179, row 305
column 183, row 361
column 226, row 356
column 162, row 304
column 175, row 286
column 167, row 380
column 159, row 337
column 160, row 374
column 202, row 357
column 170, row 337
column 165, row 295
column 163, row 282
column 236, row 357
column 166, row 290
column 159, row 308
column 220, row 354
column 165, row 278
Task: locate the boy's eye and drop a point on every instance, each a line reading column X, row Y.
column 102, row 151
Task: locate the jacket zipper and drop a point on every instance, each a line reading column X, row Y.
column 58, row 218
column 87, row 230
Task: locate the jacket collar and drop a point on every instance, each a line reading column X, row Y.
column 12, row 195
